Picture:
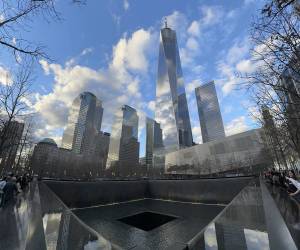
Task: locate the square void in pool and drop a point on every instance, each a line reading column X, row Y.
column 147, row 220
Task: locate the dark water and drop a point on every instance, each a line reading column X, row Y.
column 179, row 222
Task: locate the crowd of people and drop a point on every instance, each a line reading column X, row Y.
column 11, row 185
column 286, row 179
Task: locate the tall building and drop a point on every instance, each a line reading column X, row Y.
column 272, row 137
column 153, row 139
column 289, row 98
column 84, row 122
column 11, row 141
column 124, row 146
column 171, row 104
column 209, row 112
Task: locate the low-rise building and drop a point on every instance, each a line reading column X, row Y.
column 243, row 150
column 48, row 160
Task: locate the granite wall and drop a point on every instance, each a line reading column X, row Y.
column 85, row 194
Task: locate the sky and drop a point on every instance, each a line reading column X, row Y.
column 110, row 48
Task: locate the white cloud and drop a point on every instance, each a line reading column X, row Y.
column 228, row 109
column 234, row 60
column 194, row 29
column 190, row 87
column 126, row 4
column 86, row 51
column 238, row 51
column 236, row 126
column 211, row 14
column 177, row 21
column 186, row 57
column 14, row 41
column 197, row 69
column 130, row 53
column 245, row 66
column 151, row 105
column 228, row 80
column 45, row 66
column 246, row 2
column 115, row 85
column 231, row 14
column 197, row 134
column 192, row 44
column 133, row 88
column 189, row 34
column 5, row 76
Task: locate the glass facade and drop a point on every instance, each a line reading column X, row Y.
column 124, row 146
column 153, row 139
column 171, row 104
column 84, row 123
column 209, row 112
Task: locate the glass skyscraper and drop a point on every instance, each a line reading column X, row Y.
column 209, row 112
column 153, row 139
column 84, row 122
column 171, row 105
column 124, row 146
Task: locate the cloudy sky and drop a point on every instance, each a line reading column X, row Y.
column 110, row 47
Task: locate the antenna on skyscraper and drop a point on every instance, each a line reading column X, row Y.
column 166, row 23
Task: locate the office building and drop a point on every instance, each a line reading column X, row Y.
column 153, row 139
column 209, row 113
column 48, row 160
column 289, row 98
column 171, row 104
column 84, row 122
column 10, row 144
column 124, row 146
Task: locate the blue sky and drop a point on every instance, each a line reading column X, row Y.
column 110, row 47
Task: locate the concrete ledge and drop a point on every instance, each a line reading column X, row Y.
column 279, row 235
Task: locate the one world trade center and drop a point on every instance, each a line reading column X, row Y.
column 171, row 109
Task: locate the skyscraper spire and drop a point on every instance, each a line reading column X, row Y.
column 166, row 23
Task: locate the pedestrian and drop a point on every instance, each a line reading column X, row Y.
column 294, row 185
column 2, row 185
column 24, row 182
column 10, row 189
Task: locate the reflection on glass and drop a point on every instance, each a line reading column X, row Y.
column 51, row 228
column 256, row 239
column 124, row 146
column 171, row 104
column 209, row 112
column 241, row 225
column 210, row 238
column 153, row 139
column 84, row 122
column 62, row 229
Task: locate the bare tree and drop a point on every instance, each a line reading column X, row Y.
column 13, row 96
column 275, row 82
column 25, row 145
column 16, row 17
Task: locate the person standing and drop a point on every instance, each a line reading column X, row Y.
column 294, row 186
column 2, row 185
column 10, row 189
